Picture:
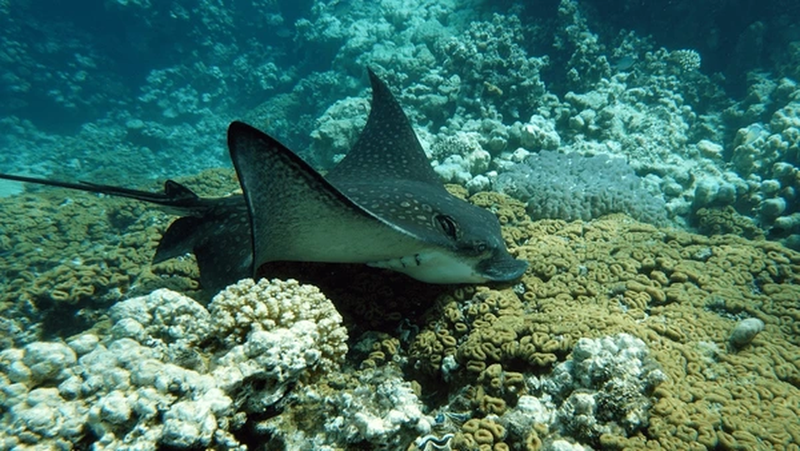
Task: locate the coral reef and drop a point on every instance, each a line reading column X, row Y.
column 494, row 68
column 110, row 243
column 622, row 334
column 766, row 150
column 687, row 59
column 461, row 159
column 372, row 408
column 152, row 381
column 616, row 338
column 680, row 294
column 569, row 186
column 719, row 221
column 337, row 130
column 605, row 388
column 175, row 91
column 617, row 118
column 466, row 72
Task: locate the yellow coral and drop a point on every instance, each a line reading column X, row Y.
column 680, row 292
column 717, row 221
column 482, row 432
column 63, row 238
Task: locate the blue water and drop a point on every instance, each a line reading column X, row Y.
column 196, row 66
column 700, row 98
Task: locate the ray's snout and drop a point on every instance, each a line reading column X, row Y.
column 502, row 267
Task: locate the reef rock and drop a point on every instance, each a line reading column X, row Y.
column 149, row 382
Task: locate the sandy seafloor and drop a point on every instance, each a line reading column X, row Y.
column 644, row 158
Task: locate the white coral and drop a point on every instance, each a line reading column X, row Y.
column 687, row 59
column 248, row 306
column 539, row 133
column 150, row 372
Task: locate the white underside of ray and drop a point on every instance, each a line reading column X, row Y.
column 433, row 266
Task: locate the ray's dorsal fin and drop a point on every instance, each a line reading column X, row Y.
column 387, row 148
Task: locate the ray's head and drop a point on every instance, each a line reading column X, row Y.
column 478, row 251
column 459, row 242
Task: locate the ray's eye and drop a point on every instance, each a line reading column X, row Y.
column 447, row 225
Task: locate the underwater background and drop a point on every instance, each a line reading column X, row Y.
column 643, row 156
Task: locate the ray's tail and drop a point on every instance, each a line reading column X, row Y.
column 176, row 198
column 216, row 230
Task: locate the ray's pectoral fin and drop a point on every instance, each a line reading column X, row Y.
column 222, row 249
column 297, row 215
column 179, row 239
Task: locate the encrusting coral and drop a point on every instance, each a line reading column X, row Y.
column 571, row 186
column 679, row 292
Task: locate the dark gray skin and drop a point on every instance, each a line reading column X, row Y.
column 383, row 205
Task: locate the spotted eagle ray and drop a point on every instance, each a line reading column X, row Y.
column 382, row 205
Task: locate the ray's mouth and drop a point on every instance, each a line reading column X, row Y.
column 502, row 268
column 436, row 267
column 408, row 261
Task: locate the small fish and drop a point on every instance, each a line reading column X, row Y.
column 624, row 63
column 382, row 205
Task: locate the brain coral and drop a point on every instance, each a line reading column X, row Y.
column 570, row 186
column 680, row 293
column 247, row 307
column 478, row 360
